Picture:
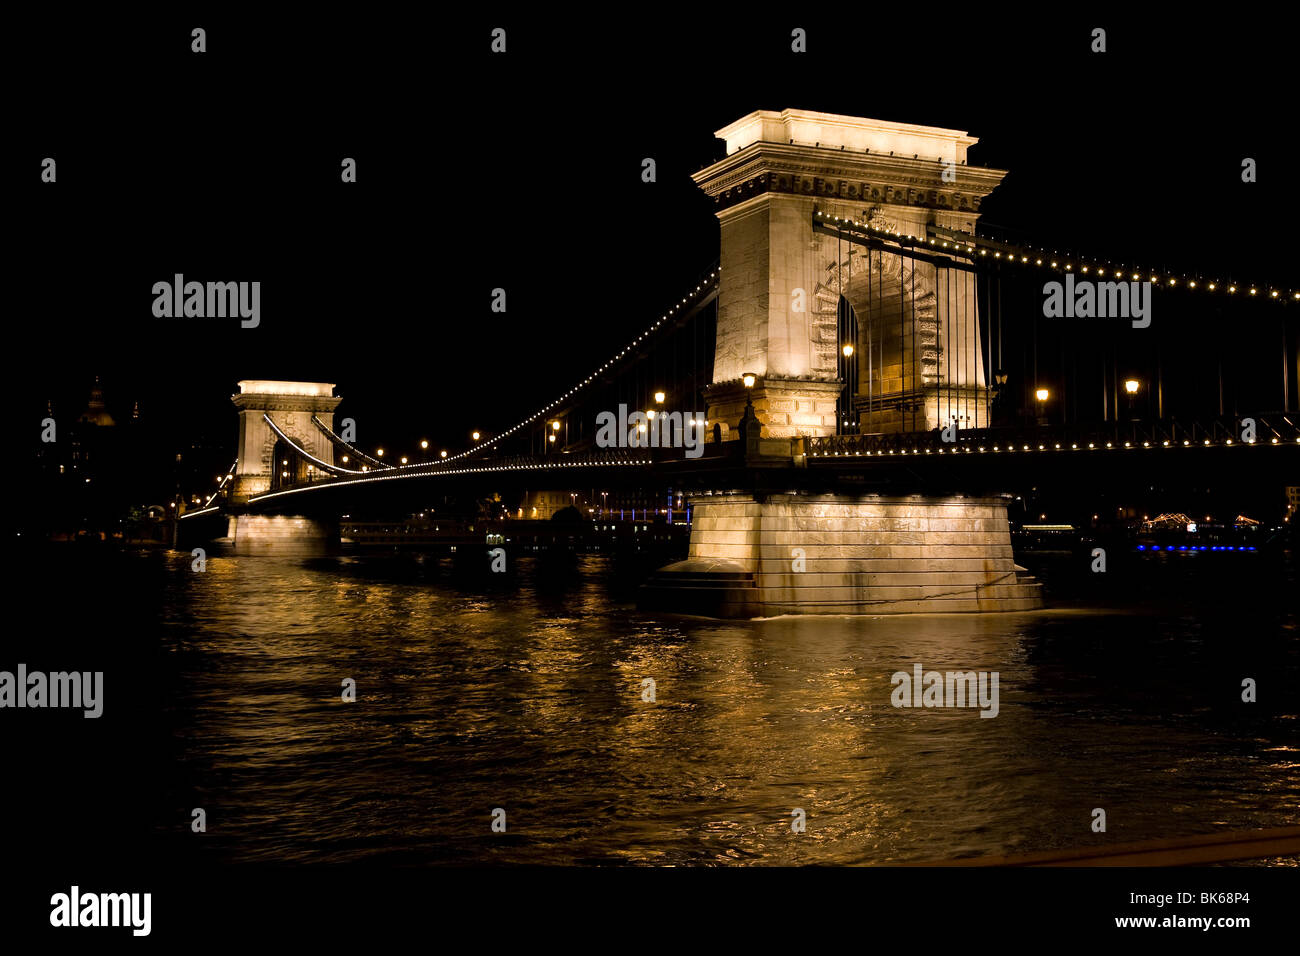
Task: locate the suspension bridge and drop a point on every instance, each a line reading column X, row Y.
column 846, row 401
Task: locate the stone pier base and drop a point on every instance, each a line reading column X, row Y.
column 283, row 535
column 833, row 554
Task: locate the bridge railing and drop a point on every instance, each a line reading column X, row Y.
column 1272, row 428
column 1262, row 429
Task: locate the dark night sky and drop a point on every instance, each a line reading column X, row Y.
column 523, row 171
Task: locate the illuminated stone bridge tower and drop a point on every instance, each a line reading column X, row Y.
column 291, row 406
column 918, row 350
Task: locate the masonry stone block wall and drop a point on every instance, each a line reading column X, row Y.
column 283, row 536
column 866, row 554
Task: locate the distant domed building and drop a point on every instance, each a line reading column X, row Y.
column 96, row 412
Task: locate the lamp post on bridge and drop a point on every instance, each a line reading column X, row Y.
column 749, row 424
column 845, row 405
column 1131, row 387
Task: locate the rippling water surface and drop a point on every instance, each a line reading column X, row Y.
column 528, row 696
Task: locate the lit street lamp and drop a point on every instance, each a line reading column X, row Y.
column 844, row 403
column 749, row 420
column 1131, row 387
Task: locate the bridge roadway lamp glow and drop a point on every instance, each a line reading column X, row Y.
column 749, row 378
column 475, row 436
column 424, row 443
column 444, row 453
column 1131, row 386
column 848, row 351
column 659, row 398
column 555, row 426
column 380, row 452
column 1041, row 394
column 345, row 459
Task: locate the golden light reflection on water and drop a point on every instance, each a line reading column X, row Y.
column 527, row 696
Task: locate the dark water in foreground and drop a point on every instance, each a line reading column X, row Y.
column 223, row 692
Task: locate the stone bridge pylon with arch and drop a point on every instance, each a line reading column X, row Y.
column 916, row 365
column 917, row 353
column 291, row 405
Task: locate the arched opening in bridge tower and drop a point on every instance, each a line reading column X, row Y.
column 287, row 466
column 917, row 360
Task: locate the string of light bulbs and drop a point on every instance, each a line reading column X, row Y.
column 1024, row 255
column 229, row 474
column 705, row 286
column 1057, row 446
column 397, row 474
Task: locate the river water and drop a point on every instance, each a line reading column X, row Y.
column 224, row 691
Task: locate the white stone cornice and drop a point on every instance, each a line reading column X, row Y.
column 776, row 159
column 857, row 133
